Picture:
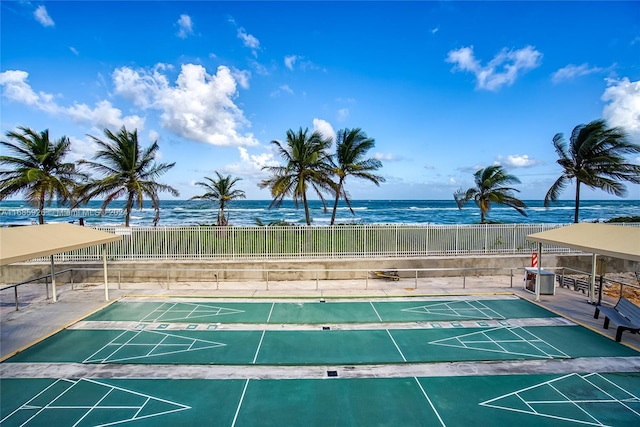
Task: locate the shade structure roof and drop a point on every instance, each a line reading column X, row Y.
column 34, row 241
column 616, row 241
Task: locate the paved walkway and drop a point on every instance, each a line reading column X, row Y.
column 39, row 317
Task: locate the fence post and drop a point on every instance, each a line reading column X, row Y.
column 46, row 286
column 316, row 280
column 267, row 275
column 15, row 292
column 464, row 279
column 416, row 285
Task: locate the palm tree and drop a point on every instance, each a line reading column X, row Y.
column 490, row 188
column 220, row 190
column 306, row 164
column 351, row 146
column 38, row 169
column 594, row 156
column 127, row 170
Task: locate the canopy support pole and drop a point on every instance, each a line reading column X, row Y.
column 104, row 271
column 539, row 271
column 592, row 282
column 53, row 281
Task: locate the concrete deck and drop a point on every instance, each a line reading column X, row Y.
column 39, row 317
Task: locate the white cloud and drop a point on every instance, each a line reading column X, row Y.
column 623, row 105
column 42, row 16
column 249, row 41
column 518, row 161
column 325, row 128
column 74, row 50
column 502, row 70
column 387, row 157
column 571, row 71
column 242, row 77
column 103, row 115
column 154, row 136
column 280, row 90
column 250, row 165
column 343, row 114
column 17, row 89
column 199, row 106
column 289, row 61
column 185, row 26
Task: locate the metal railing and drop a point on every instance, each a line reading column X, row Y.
column 46, row 279
column 328, row 242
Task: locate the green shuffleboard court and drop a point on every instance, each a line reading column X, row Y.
column 491, row 361
column 524, row 400
column 289, row 347
column 319, row 312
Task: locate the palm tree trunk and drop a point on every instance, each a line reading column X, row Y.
column 128, row 209
column 41, row 209
column 335, row 203
column 576, row 213
column 307, row 216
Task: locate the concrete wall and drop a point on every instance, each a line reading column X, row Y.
column 209, row 271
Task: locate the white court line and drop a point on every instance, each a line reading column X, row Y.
column 498, row 315
column 26, row 404
column 574, row 403
column 160, row 307
column 491, row 403
column 160, row 343
column 258, row 349
column 374, row 309
column 633, row 397
column 270, row 311
column 551, row 356
column 45, row 407
column 430, row 403
column 235, row 417
column 396, row 344
column 118, row 346
column 93, row 407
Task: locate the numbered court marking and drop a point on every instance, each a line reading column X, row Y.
column 90, row 402
column 466, row 309
column 580, row 398
column 507, row 340
column 181, row 311
column 139, row 344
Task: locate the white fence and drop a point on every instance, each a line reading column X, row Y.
column 291, row 242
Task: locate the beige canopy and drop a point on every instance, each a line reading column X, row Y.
column 616, row 241
column 35, row 241
column 603, row 239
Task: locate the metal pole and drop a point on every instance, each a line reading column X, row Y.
column 592, row 282
column 53, row 281
column 104, row 272
column 539, row 271
column 15, row 291
column 416, row 285
column 316, row 280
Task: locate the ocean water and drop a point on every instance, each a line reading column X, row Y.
column 245, row 212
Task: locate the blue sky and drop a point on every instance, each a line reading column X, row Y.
column 443, row 87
